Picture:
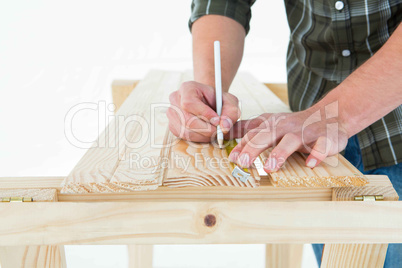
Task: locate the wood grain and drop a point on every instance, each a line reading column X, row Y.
column 94, row 171
column 153, row 163
column 32, row 256
column 283, row 255
column 31, row 182
column 354, row 255
column 336, row 171
column 357, row 255
column 151, row 222
column 42, row 195
column 348, row 193
column 203, row 165
column 22, row 256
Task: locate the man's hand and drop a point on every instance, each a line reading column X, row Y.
column 192, row 113
column 303, row 131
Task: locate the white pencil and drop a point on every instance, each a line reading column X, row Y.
column 218, row 88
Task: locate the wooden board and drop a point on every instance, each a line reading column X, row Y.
column 336, row 171
column 32, row 256
column 42, row 195
column 31, row 182
column 203, row 222
column 283, row 255
column 354, row 255
column 357, row 255
column 22, row 256
column 94, row 171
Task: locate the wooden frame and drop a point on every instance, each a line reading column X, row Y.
column 284, row 217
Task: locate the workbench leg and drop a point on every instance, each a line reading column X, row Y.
column 140, row 256
column 354, row 255
column 357, row 255
column 283, row 255
column 32, row 256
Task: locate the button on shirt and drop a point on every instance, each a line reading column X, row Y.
column 328, row 41
column 339, row 5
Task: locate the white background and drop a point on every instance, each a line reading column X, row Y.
column 54, row 55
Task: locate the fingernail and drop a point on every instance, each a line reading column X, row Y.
column 244, row 160
column 215, row 121
column 271, row 164
column 311, row 163
column 233, row 156
column 226, row 124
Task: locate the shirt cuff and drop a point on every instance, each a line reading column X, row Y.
column 239, row 10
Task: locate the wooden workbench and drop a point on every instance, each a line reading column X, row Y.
column 286, row 218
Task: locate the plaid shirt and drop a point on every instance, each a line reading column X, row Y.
column 329, row 39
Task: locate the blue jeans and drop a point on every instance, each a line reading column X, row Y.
column 353, row 154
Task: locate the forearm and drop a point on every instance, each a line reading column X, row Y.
column 231, row 35
column 372, row 91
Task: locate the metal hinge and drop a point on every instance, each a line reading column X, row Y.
column 369, row 198
column 16, row 199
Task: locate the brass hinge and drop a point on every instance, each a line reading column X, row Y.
column 16, row 199
column 369, row 198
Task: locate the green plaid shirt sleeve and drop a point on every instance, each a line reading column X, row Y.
column 239, row 10
column 328, row 41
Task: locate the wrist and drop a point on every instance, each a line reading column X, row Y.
column 332, row 110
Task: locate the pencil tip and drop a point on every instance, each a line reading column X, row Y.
column 220, row 143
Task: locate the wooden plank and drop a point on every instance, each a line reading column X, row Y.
column 31, row 182
column 140, row 256
column 200, row 222
column 32, row 256
column 142, row 165
column 42, row 195
column 283, row 255
column 357, row 255
column 336, row 171
column 95, row 169
column 354, row 255
column 121, row 89
column 280, row 90
column 216, row 193
column 264, row 192
column 348, row 193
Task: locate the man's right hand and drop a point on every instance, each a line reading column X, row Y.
column 192, row 113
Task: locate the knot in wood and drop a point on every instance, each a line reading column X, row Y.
column 210, row 220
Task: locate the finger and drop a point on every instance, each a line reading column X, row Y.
column 230, row 112
column 251, row 145
column 192, row 102
column 188, row 120
column 287, row 146
column 185, row 121
column 240, row 128
column 319, row 152
column 187, row 135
